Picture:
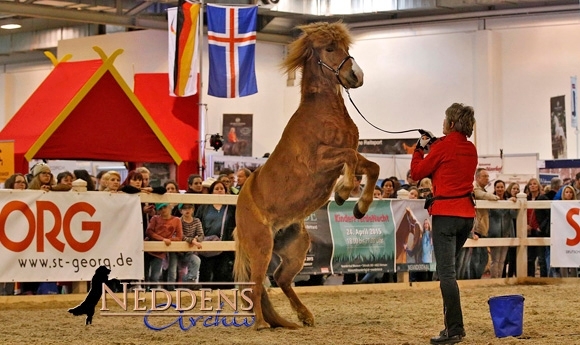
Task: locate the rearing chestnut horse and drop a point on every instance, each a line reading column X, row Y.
column 318, row 145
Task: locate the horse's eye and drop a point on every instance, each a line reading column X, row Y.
column 330, row 49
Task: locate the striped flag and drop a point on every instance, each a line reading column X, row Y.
column 183, row 63
column 232, row 50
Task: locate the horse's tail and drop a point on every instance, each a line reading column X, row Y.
column 242, row 261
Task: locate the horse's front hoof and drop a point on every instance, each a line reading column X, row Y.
column 357, row 213
column 261, row 326
column 339, row 201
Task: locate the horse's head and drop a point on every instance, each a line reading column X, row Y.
column 327, row 45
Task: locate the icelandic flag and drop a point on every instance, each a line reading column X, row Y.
column 232, row 50
column 183, row 63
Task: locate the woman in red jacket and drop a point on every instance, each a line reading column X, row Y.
column 451, row 164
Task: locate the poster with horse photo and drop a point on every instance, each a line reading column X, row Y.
column 387, row 146
column 237, row 130
column 414, row 239
column 558, row 127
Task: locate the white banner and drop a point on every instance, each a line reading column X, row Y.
column 565, row 234
column 65, row 236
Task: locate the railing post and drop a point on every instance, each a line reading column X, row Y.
column 522, row 234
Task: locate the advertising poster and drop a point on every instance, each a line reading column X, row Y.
column 565, row 234
column 319, row 256
column 387, row 146
column 414, row 237
column 558, row 127
column 6, row 160
column 362, row 245
column 237, row 133
column 67, row 236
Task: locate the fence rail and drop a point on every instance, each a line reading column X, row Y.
column 521, row 241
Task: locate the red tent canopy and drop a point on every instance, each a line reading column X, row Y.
column 177, row 117
column 84, row 110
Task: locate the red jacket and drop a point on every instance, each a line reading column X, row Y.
column 451, row 164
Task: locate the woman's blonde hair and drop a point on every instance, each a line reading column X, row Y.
column 573, row 192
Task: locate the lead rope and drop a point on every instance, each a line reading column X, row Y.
column 336, row 72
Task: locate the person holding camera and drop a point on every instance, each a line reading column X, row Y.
column 451, row 164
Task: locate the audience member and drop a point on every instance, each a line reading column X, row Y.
column 388, row 187
column 229, row 173
column 172, row 187
column 510, row 263
column 481, row 228
column 501, row 225
column 410, row 182
column 218, row 221
column 85, row 176
column 113, row 182
column 99, row 184
column 194, row 184
column 377, row 193
column 242, row 176
column 103, row 181
column 182, row 261
column 357, row 190
column 16, row 181
column 42, row 178
column 163, row 227
column 425, row 188
column 538, row 226
column 133, row 184
column 413, row 193
column 65, row 177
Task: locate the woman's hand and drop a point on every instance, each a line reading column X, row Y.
column 167, row 241
column 147, row 190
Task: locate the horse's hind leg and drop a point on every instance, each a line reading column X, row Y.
column 371, row 169
column 292, row 244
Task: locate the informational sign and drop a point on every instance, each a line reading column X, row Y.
column 66, row 236
column 6, row 160
column 558, row 127
column 565, row 234
column 237, row 133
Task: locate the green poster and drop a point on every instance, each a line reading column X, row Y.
column 362, row 245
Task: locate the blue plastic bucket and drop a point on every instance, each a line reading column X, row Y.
column 507, row 315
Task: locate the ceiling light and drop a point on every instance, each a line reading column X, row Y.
column 11, row 26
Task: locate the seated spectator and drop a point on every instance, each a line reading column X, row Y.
column 163, row 227
column 181, row 261
column 65, row 177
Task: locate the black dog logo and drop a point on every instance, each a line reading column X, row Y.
column 87, row 307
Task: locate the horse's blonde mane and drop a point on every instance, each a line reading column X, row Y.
column 314, row 35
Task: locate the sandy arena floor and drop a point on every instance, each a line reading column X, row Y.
column 367, row 314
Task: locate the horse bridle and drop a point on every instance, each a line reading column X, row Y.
column 337, row 70
column 336, row 73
